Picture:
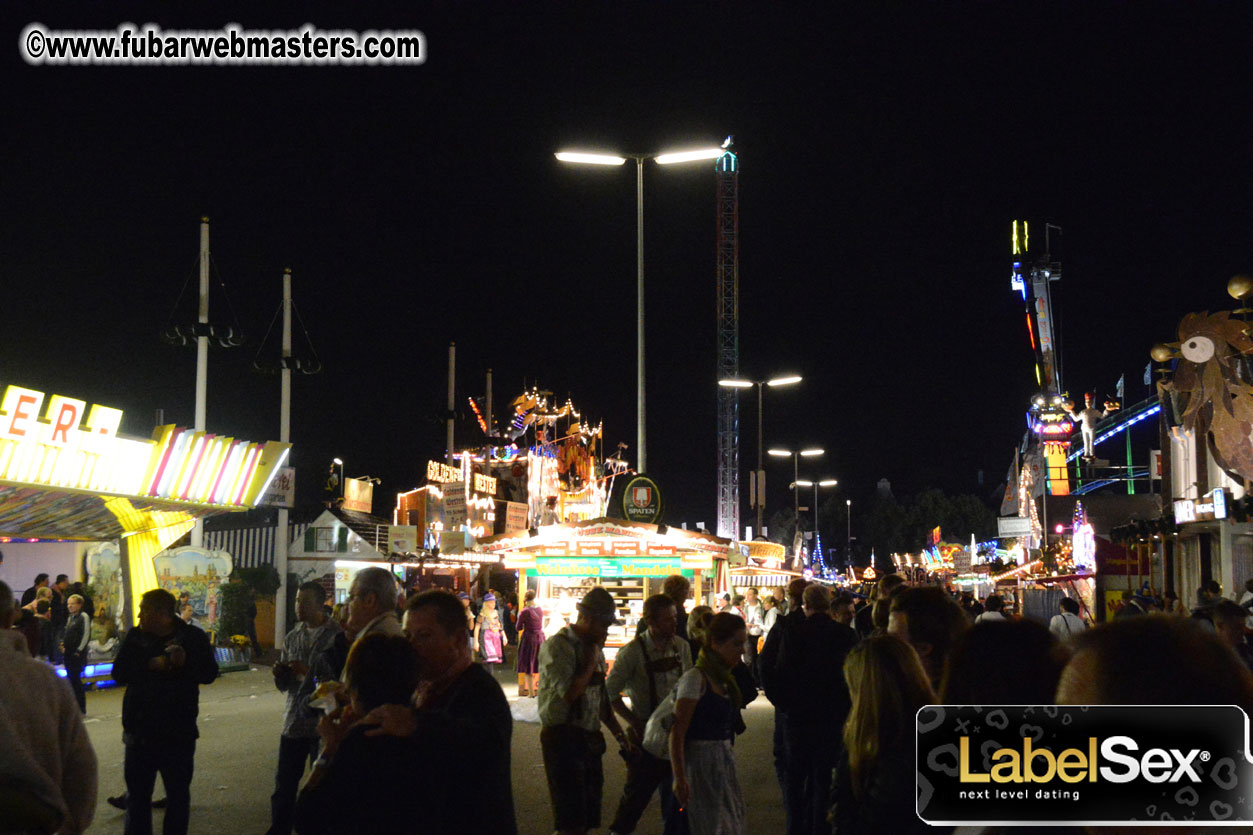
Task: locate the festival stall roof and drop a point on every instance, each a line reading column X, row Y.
column 760, row 563
column 66, row 473
column 609, row 537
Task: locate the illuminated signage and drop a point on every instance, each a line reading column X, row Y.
column 442, row 473
column 1083, row 549
column 45, row 441
column 558, row 567
column 1188, row 510
column 358, row 495
column 484, row 484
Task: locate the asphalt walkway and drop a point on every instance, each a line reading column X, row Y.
column 240, row 720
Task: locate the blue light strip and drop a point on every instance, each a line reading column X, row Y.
column 103, row 668
column 1105, row 436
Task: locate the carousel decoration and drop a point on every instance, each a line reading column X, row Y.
column 1087, row 418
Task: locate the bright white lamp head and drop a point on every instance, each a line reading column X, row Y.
column 780, row 452
column 807, row 453
column 804, row 484
column 590, row 159
column 784, row 381
column 689, row 156
column 735, row 384
column 830, row 482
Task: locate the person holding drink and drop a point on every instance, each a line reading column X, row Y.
column 299, row 742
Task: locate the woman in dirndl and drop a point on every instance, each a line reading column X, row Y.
column 531, row 635
column 489, row 634
column 706, row 719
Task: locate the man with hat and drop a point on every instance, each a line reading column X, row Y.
column 572, row 704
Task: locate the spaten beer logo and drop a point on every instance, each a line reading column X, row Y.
column 641, row 500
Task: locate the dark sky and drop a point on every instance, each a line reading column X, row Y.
column 885, row 148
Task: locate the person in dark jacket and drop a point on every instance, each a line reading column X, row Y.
column 74, row 647
column 366, row 783
column 768, row 663
column 162, row 663
column 812, row 692
column 41, row 580
column 458, row 709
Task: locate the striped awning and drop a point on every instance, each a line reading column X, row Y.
column 250, row 547
column 762, row 579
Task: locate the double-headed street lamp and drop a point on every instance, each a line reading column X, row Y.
column 796, row 456
column 826, row 482
column 585, row 158
column 759, row 479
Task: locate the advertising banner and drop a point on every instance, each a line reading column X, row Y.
column 358, row 495
column 1013, row 526
column 282, row 490
column 515, row 516
column 403, row 539
column 1075, row 765
column 454, row 504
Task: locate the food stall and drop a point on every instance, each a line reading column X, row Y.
column 630, row 560
column 759, row 564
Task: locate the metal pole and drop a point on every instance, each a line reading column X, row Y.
column 815, row 512
column 284, row 435
column 1131, row 482
column 642, row 457
column 202, row 355
column 452, row 383
column 848, row 546
column 761, row 473
column 796, row 488
column 488, row 404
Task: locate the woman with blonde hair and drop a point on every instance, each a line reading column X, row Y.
column 874, row 783
column 697, row 623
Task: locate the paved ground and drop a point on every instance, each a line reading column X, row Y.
column 240, row 718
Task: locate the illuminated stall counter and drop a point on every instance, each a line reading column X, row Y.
column 631, row 560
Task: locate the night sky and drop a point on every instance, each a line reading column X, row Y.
column 884, row 149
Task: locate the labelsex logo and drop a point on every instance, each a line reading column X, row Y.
column 1072, row 765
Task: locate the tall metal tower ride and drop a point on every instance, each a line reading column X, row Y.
column 727, row 168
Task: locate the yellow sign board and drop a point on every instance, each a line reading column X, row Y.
column 46, row 441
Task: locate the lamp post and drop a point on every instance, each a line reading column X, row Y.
column 848, row 546
column 796, row 456
column 826, row 482
column 759, row 491
column 584, row 158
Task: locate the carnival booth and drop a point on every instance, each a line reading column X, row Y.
column 630, row 560
column 759, row 564
column 67, row 473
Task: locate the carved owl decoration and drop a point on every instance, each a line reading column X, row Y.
column 1217, row 403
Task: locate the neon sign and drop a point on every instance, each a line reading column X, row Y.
column 442, row 473
column 179, row 465
column 1187, row 510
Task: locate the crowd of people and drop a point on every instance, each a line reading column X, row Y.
column 388, row 694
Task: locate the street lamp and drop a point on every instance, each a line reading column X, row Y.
column 759, row 488
column 585, row 158
column 796, row 456
column 826, row 482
